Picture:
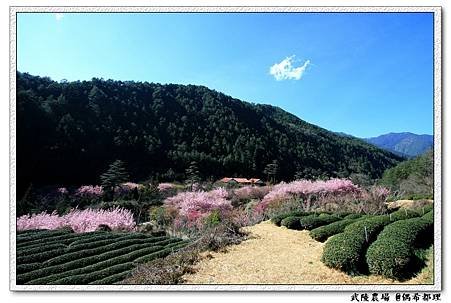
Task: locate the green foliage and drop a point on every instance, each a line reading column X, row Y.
column 79, row 246
column 114, row 176
column 322, row 233
column 160, row 216
column 291, row 222
column 97, row 275
column 162, row 253
column 40, row 249
column 393, row 253
column 79, row 271
column 97, row 236
column 30, row 236
column 412, row 179
column 192, row 174
column 403, row 214
column 63, row 239
column 69, row 132
column 278, row 219
column 27, row 232
column 313, row 221
column 112, row 278
column 353, row 216
column 213, row 219
column 346, row 250
column 429, row 217
column 39, row 257
column 23, row 268
column 271, row 170
column 83, row 253
column 89, row 256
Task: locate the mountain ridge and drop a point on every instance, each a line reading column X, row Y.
column 404, row 143
column 68, row 133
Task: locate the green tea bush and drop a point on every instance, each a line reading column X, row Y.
column 83, row 253
column 39, row 249
column 393, row 253
column 39, row 236
column 78, row 263
column 346, row 251
column 353, row 216
column 23, row 268
column 29, row 232
column 291, row 222
column 65, row 238
column 162, row 253
column 40, row 257
column 97, row 275
column 156, row 251
column 403, row 214
column 312, row 221
column 429, row 217
column 322, row 233
column 426, row 209
column 277, row 220
column 112, row 279
column 100, row 243
column 104, row 236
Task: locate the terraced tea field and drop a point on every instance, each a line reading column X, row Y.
column 62, row 257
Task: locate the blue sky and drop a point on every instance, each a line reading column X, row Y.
column 363, row 74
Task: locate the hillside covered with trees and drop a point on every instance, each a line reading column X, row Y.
column 412, row 179
column 69, row 133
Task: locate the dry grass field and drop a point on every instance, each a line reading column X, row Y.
column 276, row 255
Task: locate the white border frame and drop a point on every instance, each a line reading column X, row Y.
column 437, row 286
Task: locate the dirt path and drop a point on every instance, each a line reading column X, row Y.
column 273, row 255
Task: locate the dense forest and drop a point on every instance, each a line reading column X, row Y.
column 412, row 179
column 69, row 132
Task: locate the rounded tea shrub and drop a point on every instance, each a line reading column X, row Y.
column 353, row 216
column 322, row 233
column 313, row 221
column 393, row 253
column 277, row 220
column 291, row 223
column 346, row 251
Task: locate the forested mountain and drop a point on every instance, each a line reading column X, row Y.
column 412, row 179
column 406, row 144
column 69, row 132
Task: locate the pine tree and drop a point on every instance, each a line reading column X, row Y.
column 192, row 174
column 271, row 171
column 113, row 177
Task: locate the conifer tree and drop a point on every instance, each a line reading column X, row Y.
column 113, row 177
column 271, row 171
column 192, row 174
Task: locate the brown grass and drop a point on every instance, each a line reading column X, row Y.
column 409, row 203
column 275, row 255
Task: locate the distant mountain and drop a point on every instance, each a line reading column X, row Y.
column 69, row 132
column 407, row 144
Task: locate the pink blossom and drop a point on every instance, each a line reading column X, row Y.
column 305, row 188
column 62, row 190
column 79, row 220
column 89, row 191
column 251, row 192
column 165, row 186
column 131, row 185
column 201, row 201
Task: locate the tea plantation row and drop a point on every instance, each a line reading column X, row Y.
column 368, row 244
column 65, row 258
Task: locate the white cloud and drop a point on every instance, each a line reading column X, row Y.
column 286, row 71
column 59, row 16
